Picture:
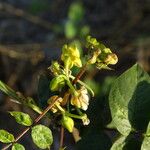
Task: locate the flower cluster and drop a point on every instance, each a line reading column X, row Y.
column 73, row 100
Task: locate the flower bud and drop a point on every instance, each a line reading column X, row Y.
column 55, row 68
column 91, row 42
column 111, row 59
column 93, row 59
column 67, row 122
column 57, row 83
column 85, row 120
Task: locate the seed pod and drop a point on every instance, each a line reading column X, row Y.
column 67, row 122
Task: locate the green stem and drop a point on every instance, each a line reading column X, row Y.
column 73, row 91
column 85, row 85
column 73, row 115
column 79, row 111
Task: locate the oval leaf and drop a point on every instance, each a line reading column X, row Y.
column 146, row 144
column 6, row 137
column 22, row 118
column 119, row 144
column 129, row 100
column 42, row 136
column 18, row 146
column 146, row 141
column 130, row 142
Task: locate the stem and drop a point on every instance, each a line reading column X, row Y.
column 45, row 111
column 61, row 137
column 7, row 146
column 73, row 91
column 73, row 115
column 85, row 85
column 36, row 121
column 79, row 74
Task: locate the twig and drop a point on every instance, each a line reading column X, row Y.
column 21, row 13
column 35, row 122
column 79, row 74
column 61, row 137
column 45, row 111
column 33, row 56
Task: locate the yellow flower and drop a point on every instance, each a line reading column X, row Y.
column 71, row 56
column 85, row 120
column 82, row 100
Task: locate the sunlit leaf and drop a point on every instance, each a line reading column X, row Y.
column 130, row 142
column 146, row 141
column 6, row 137
column 42, row 136
column 18, row 146
column 7, row 90
column 22, row 118
column 146, row 144
column 119, row 144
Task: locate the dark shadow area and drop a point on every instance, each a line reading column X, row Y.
column 139, row 116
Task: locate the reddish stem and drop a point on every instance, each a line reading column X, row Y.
column 45, row 111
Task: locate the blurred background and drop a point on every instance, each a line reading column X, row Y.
column 32, row 33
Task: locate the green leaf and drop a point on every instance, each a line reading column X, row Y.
column 146, row 141
column 22, row 118
column 70, row 29
column 6, row 137
column 76, row 12
column 129, row 100
column 119, row 144
column 8, row 91
column 130, row 142
column 18, row 146
column 42, row 136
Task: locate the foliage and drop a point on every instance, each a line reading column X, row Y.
column 42, row 136
column 22, row 118
column 65, row 98
column 6, row 137
column 129, row 104
column 74, row 26
column 18, row 146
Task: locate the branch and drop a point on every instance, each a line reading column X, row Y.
column 35, row 122
column 21, row 13
column 33, row 56
column 45, row 111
